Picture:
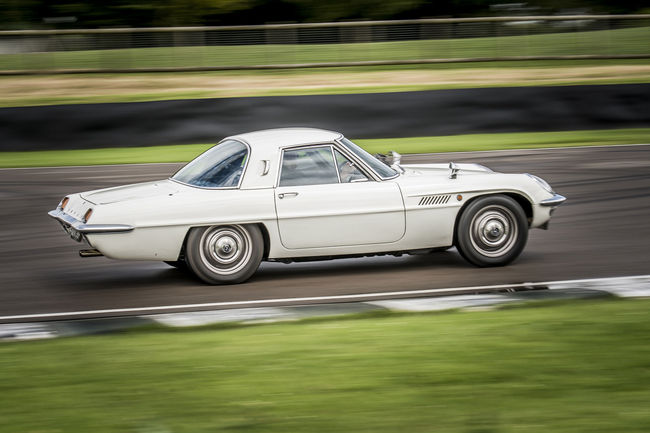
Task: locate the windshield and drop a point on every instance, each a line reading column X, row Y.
column 384, row 171
column 219, row 167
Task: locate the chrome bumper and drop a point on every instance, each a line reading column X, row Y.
column 77, row 229
column 554, row 201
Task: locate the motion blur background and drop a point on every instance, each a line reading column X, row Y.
column 65, row 53
column 118, row 82
column 241, row 34
column 124, row 13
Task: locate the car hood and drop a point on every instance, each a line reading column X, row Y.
column 132, row 192
column 443, row 169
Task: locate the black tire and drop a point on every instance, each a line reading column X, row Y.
column 492, row 231
column 228, row 254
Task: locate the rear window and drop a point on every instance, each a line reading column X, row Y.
column 219, row 167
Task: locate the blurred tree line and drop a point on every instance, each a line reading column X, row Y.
column 31, row 14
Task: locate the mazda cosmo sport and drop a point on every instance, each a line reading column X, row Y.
column 307, row 194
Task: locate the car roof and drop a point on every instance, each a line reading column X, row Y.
column 280, row 137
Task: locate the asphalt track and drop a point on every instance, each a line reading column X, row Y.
column 602, row 231
column 369, row 115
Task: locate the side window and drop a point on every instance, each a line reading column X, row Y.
column 348, row 172
column 311, row 166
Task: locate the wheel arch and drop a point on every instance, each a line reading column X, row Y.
column 267, row 240
column 521, row 200
column 181, row 253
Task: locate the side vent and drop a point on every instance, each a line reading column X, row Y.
column 432, row 200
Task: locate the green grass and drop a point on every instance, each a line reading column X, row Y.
column 603, row 42
column 454, row 143
column 575, row 367
column 522, row 140
column 117, row 155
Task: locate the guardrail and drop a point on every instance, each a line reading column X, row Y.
column 311, row 45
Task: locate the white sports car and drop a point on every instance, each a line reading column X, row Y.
column 303, row 194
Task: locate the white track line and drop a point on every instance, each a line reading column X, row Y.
column 405, row 155
column 361, row 296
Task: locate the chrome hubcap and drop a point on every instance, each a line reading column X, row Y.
column 493, row 231
column 225, row 249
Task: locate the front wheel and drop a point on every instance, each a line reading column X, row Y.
column 224, row 254
column 492, row 231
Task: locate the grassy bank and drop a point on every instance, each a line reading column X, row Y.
column 454, row 143
column 575, row 367
column 603, row 42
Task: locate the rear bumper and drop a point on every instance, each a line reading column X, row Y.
column 77, row 229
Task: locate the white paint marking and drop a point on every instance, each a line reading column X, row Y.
column 443, row 303
column 359, row 297
column 28, row 331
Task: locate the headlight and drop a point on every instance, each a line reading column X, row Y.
column 541, row 182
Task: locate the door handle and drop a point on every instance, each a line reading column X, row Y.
column 287, row 194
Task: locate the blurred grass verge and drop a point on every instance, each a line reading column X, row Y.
column 580, row 366
column 453, row 143
column 18, row 91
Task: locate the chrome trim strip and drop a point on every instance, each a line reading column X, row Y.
column 202, row 187
column 336, row 165
column 93, row 252
column 556, row 200
column 79, row 226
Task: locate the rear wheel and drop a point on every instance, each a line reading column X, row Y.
column 227, row 254
column 492, row 231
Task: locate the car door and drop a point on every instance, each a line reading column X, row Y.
column 324, row 200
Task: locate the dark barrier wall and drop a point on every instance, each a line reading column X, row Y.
column 379, row 115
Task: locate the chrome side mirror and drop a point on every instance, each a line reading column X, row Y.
column 392, row 159
column 395, row 159
column 454, row 170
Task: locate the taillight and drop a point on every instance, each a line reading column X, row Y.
column 87, row 215
column 64, row 202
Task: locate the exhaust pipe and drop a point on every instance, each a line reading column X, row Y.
column 90, row 253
